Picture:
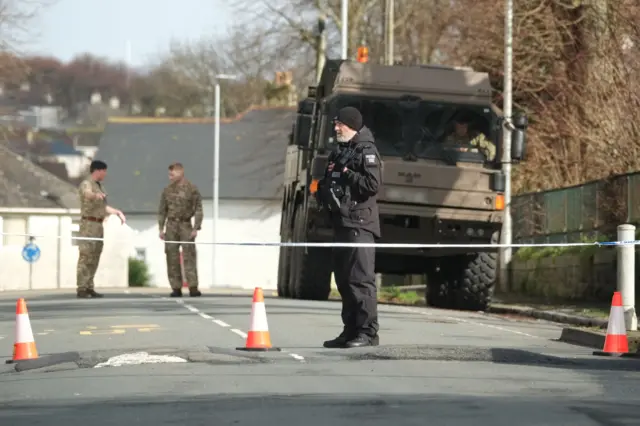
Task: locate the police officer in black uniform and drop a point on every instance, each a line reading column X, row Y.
column 348, row 191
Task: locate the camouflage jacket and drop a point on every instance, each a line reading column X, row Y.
column 91, row 207
column 181, row 201
column 486, row 146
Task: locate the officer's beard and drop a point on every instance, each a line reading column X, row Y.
column 345, row 137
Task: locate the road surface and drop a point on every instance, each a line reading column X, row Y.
column 432, row 367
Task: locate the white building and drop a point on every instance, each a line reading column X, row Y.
column 252, row 153
column 35, row 203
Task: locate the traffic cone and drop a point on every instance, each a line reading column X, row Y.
column 615, row 343
column 24, row 347
column 258, row 338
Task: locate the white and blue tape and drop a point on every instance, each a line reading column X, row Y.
column 334, row 244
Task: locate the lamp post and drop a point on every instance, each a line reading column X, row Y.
column 345, row 28
column 506, row 147
column 216, row 168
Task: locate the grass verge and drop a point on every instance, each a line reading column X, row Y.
column 393, row 295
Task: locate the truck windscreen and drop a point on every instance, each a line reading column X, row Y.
column 412, row 128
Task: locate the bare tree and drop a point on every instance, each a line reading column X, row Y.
column 16, row 31
column 576, row 73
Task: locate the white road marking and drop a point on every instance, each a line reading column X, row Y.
column 478, row 323
column 298, row 357
column 127, row 292
column 239, row 333
column 139, row 358
column 1, row 337
column 233, row 330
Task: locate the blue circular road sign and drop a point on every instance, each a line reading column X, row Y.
column 31, row 252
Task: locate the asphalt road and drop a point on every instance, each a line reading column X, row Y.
column 432, row 367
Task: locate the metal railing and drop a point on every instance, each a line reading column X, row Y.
column 590, row 211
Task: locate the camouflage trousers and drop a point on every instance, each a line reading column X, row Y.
column 180, row 231
column 89, row 254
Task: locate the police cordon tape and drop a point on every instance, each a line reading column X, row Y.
column 335, row 244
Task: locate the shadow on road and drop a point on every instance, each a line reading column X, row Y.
column 506, row 356
column 321, row 410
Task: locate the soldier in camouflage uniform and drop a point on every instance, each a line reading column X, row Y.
column 93, row 211
column 461, row 136
column 180, row 201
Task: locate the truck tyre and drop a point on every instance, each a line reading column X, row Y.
column 476, row 284
column 310, row 267
column 283, row 272
column 463, row 282
column 438, row 294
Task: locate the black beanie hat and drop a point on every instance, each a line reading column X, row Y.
column 351, row 117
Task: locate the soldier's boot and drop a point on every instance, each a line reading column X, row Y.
column 194, row 292
column 176, row 293
column 363, row 340
column 83, row 294
column 94, row 294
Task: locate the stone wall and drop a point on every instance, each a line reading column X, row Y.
column 578, row 277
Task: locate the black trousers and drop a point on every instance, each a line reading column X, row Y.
column 354, row 270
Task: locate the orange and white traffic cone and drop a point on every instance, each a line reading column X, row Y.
column 615, row 343
column 258, row 338
column 25, row 346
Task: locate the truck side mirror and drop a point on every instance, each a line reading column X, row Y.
column 519, row 138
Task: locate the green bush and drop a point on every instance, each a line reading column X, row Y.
column 138, row 273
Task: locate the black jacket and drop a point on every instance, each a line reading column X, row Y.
column 351, row 195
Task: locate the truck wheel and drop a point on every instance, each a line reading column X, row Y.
column 311, row 268
column 438, row 292
column 475, row 286
column 283, row 272
column 463, row 282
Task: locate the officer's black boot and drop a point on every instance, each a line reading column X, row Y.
column 194, row 292
column 176, row 293
column 363, row 340
column 338, row 342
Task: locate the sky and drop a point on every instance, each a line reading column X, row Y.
column 103, row 27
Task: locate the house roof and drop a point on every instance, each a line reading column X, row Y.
column 86, row 138
column 25, row 185
column 139, row 150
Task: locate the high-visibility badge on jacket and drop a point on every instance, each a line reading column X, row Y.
column 370, row 159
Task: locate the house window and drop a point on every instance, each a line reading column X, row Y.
column 141, row 254
column 75, row 231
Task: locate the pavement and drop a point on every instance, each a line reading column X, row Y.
column 436, row 367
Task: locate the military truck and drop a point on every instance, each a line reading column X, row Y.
column 431, row 193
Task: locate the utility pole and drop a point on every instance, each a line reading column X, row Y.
column 389, row 31
column 506, row 252
column 345, row 28
column 321, row 46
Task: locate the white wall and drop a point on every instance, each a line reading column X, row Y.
column 56, row 267
column 238, row 267
column 88, row 151
column 76, row 164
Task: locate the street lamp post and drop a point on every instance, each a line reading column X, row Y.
column 345, row 28
column 507, row 225
column 216, row 168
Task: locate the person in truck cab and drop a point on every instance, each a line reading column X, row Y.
column 463, row 139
